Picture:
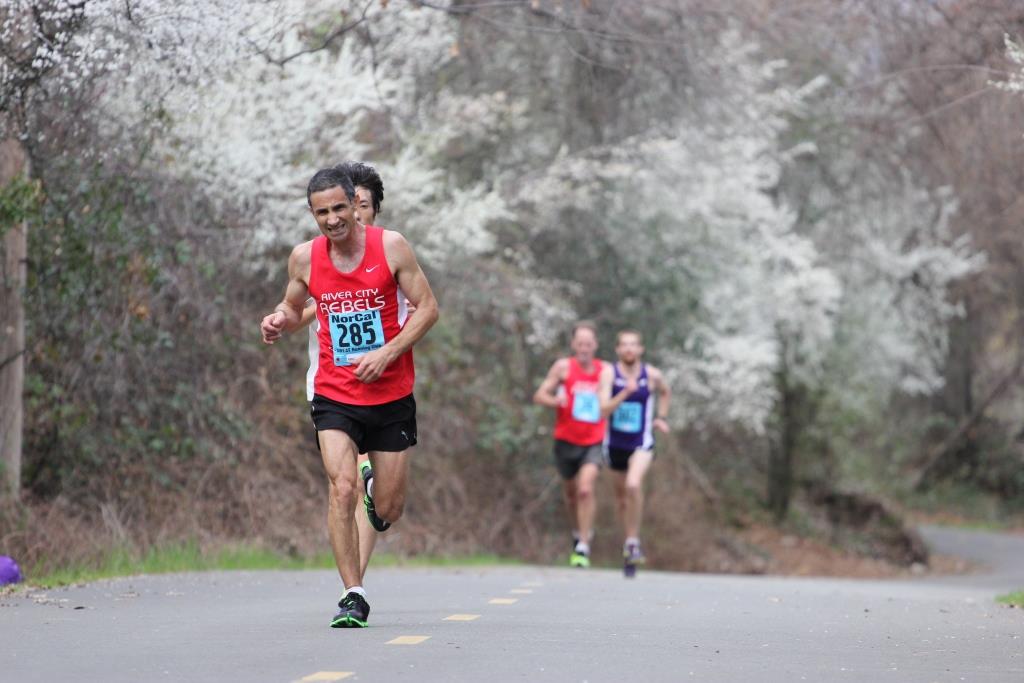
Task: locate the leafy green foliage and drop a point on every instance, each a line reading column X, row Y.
column 20, row 200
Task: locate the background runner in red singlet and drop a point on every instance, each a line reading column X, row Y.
column 571, row 387
column 359, row 276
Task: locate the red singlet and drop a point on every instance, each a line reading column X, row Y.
column 579, row 421
column 357, row 312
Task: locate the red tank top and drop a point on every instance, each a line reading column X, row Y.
column 357, row 312
column 579, row 421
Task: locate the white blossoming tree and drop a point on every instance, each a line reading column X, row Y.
column 766, row 317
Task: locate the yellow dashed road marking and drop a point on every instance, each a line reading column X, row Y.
column 407, row 640
column 462, row 617
column 503, row 601
column 328, row 676
column 521, row 591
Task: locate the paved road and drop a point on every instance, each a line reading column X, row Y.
column 548, row 624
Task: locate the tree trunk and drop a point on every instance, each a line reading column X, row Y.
column 781, row 454
column 13, row 162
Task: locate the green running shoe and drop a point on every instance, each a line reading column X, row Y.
column 371, row 512
column 578, row 559
column 354, row 612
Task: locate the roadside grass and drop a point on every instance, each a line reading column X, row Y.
column 1015, row 599
column 188, row 557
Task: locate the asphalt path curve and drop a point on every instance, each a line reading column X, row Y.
column 525, row 623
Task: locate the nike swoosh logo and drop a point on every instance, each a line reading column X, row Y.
column 370, row 270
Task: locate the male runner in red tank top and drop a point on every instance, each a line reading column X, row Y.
column 360, row 277
column 369, row 189
column 572, row 388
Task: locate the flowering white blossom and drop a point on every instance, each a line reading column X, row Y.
column 267, row 127
column 708, row 190
column 899, row 268
column 1015, row 53
column 153, row 45
column 860, row 303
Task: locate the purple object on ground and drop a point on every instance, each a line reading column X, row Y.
column 9, row 572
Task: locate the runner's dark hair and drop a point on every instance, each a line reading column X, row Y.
column 325, row 179
column 364, row 175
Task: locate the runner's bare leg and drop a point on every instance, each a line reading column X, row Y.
column 390, row 478
column 586, row 505
column 639, row 462
column 367, row 534
column 339, row 454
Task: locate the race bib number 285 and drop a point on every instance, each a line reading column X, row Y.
column 354, row 334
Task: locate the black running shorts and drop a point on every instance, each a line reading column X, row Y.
column 389, row 427
column 618, row 458
column 569, row 457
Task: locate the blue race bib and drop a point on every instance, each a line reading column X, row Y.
column 354, row 334
column 628, row 418
column 586, row 407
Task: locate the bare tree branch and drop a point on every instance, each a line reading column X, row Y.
column 942, row 451
column 326, row 43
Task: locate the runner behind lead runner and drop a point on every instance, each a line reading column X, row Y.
column 359, row 277
column 628, row 390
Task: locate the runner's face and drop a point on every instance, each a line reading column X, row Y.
column 364, row 206
column 629, row 349
column 333, row 212
column 584, row 344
